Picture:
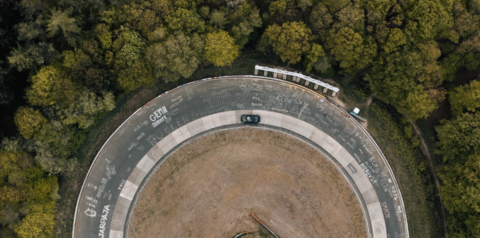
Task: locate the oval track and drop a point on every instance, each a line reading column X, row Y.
column 162, row 125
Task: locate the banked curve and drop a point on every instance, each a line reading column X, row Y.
column 339, row 136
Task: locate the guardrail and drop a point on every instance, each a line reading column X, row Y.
column 296, row 75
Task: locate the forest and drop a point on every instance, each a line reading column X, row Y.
column 65, row 63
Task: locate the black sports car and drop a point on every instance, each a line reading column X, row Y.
column 250, row 118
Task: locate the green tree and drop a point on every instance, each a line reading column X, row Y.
column 465, row 24
column 317, row 59
column 346, row 46
column 30, row 30
column 465, row 97
column 85, row 111
column 186, row 21
column 218, row 19
column 336, row 5
column 278, row 10
column 60, row 20
column 353, row 52
column 32, row 55
column 128, row 48
column 460, row 189
column 28, row 196
column 187, row 4
column 28, row 121
column 139, row 17
column 449, row 66
column 473, row 225
column 393, row 79
column 53, row 144
column 352, row 16
column 129, row 66
column 179, row 55
column 396, row 15
column 428, row 19
column 86, row 65
column 304, row 4
column 204, row 12
column 474, row 5
column 320, row 19
column 158, row 34
column 469, row 50
column 137, row 75
column 104, row 35
column 242, row 22
column 33, row 8
column 290, row 40
column 13, row 172
column 459, row 144
column 234, row 3
column 432, row 76
column 381, row 32
column 39, row 222
column 50, row 86
column 220, row 48
column 396, row 38
column 459, row 138
column 162, row 7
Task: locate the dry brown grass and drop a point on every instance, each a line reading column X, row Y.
column 209, row 186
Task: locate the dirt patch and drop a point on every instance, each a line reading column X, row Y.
column 338, row 101
column 208, row 188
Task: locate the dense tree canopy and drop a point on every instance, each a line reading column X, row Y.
column 28, row 196
column 29, row 121
column 396, row 38
column 466, row 97
column 60, row 21
column 220, row 48
column 316, row 58
column 186, row 21
column 465, row 186
column 429, row 18
column 320, row 18
column 459, row 138
column 179, row 55
column 31, row 56
column 459, row 144
column 242, row 21
column 290, row 40
column 50, row 86
column 394, row 80
column 350, row 49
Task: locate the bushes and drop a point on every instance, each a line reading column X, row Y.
column 27, row 204
column 459, row 144
column 400, row 144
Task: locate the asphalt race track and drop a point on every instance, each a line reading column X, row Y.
column 160, row 127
